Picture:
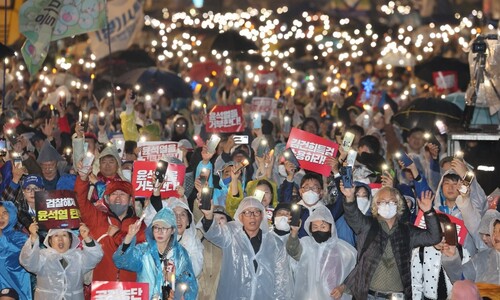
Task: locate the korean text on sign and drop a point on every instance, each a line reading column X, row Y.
column 225, row 119
column 143, row 183
column 57, row 209
column 113, row 290
column 155, row 151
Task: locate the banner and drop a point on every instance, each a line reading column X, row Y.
column 155, row 151
column 446, row 81
column 119, row 290
column 143, row 183
column 43, row 21
column 57, row 209
column 461, row 229
column 125, row 18
column 10, row 22
column 267, row 107
column 311, row 150
column 225, row 119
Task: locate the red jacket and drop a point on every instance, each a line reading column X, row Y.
column 98, row 223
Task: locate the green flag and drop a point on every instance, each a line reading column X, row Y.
column 43, row 21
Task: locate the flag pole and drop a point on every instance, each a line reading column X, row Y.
column 111, row 68
column 4, row 64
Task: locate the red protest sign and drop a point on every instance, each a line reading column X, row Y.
column 311, row 150
column 446, row 81
column 143, row 183
column 57, row 209
column 119, row 290
column 155, row 151
column 267, row 107
column 461, row 229
column 227, row 118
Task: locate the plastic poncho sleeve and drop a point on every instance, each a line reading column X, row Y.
column 283, row 279
column 232, row 202
column 92, row 255
column 216, row 234
column 454, row 269
column 30, row 257
column 471, row 217
column 129, row 129
column 130, row 259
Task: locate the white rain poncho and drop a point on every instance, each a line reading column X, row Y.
column 322, row 266
column 54, row 281
column 238, row 279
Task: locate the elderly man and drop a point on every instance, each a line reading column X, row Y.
column 52, row 164
column 254, row 262
column 385, row 242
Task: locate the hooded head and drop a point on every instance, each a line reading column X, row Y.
column 48, row 159
column 484, row 225
column 110, row 162
column 165, row 218
column 316, row 224
column 61, row 240
column 248, row 215
column 8, row 216
column 447, row 189
column 183, row 216
column 495, row 233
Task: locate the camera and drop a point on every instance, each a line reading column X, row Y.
column 479, row 45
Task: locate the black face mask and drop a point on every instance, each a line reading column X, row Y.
column 320, row 236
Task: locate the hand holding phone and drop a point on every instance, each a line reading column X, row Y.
column 290, row 156
column 407, row 161
column 88, row 159
column 257, row 121
column 213, row 143
column 450, row 234
column 348, row 140
column 259, row 195
column 161, row 171
column 263, row 148
column 346, row 173
column 206, row 198
column 296, row 211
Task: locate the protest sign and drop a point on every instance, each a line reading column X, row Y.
column 119, row 290
column 227, row 118
column 57, row 209
column 143, row 182
column 461, row 229
column 155, row 151
column 311, row 150
column 446, row 81
column 267, row 107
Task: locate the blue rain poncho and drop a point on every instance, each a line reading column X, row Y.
column 144, row 259
column 52, row 280
column 322, row 266
column 239, row 279
column 12, row 274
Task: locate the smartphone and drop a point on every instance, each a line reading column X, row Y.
column 289, row 156
column 263, row 148
column 296, row 210
column 206, row 198
column 346, row 173
column 161, row 170
column 257, row 121
column 404, row 158
column 351, row 157
column 3, row 147
column 204, row 176
column 133, row 95
column 287, row 124
column 240, row 139
column 213, row 143
column 469, row 176
column 450, row 234
column 243, row 164
column 102, row 120
column 18, row 162
column 259, row 195
column 459, row 154
column 88, row 159
column 348, row 140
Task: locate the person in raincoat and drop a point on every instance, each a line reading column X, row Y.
column 324, row 261
column 254, row 262
column 161, row 261
column 12, row 274
column 60, row 267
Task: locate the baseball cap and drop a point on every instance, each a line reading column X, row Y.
column 33, row 179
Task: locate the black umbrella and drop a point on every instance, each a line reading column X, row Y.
column 231, row 40
column 424, row 112
column 426, row 69
column 151, row 79
column 249, row 58
column 121, row 62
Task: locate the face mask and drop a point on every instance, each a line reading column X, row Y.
column 310, row 197
column 281, row 223
column 387, row 211
column 127, row 174
column 320, row 236
column 118, row 209
column 363, row 204
column 225, row 182
column 282, row 171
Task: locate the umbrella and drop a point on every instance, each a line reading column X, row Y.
column 121, row 62
column 481, row 113
column 151, row 79
column 231, row 40
column 424, row 112
column 426, row 69
column 249, row 58
column 199, row 71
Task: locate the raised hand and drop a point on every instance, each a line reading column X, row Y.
column 425, row 201
column 33, row 229
column 84, row 232
column 348, row 192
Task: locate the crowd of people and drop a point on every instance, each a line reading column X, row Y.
column 272, row 229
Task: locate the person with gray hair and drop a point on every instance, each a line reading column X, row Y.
column 254, row 265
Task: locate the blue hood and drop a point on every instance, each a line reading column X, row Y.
column 12, row 210
column 167, row 215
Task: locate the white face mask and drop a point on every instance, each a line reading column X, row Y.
column 281, row 223
column 310, row 197
column 387, row 211
column 363, row 204
column 282, row 170
column 127, row 174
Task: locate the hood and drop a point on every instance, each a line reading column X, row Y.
column 439, row 191
column 74, row 243
column 248, row 202
column 111, row 150
column 178, row 203
column 366, row 186
column 48, row 153
column 167, row 215
column 489, row 215
column 321, row 213
column 12, row 210
column 491, row 226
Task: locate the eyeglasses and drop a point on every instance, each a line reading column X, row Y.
column 386, row 203
column 32, row 190
column 180, row 125
column 250, row 213
column 160, row 229
column 315, row 188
